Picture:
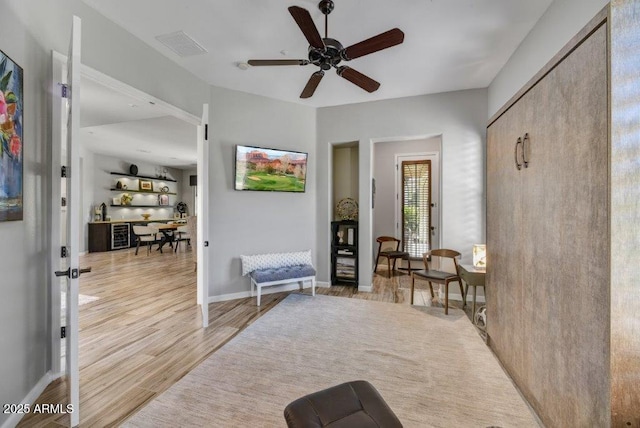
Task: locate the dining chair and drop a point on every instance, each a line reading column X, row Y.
column 182, row 235
column 439, row 276
column 389, row 248
column 144, row 234
column 192, row 222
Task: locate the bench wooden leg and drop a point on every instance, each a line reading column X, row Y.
column 258, row 297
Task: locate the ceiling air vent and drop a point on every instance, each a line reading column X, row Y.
column 181, row 44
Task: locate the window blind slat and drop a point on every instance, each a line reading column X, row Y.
column 416, row 207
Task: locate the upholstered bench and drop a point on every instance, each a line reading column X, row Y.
column 279, row 268
column 349, row 405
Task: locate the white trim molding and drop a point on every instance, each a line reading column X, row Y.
column 30, row 398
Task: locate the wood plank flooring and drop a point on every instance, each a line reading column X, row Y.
column 144, row 333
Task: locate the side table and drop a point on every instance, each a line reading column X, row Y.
column 472, row 277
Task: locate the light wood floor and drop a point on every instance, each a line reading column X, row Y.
column 144, row 332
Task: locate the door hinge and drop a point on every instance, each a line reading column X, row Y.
column 63, row 332
column 65, row 90
column 63, row 252
column 64, row 202
column 206, row 132
column 63, row 171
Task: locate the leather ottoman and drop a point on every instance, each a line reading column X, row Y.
column 349, row 405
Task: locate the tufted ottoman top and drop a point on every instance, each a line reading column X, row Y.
column 280, row 273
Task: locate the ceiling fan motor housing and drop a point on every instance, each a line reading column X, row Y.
column 328, row 57
column 326, row 6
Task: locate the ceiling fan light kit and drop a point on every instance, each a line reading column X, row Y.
column 328, row 53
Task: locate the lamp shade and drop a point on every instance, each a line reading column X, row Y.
column 480, row 256
column 193, row 180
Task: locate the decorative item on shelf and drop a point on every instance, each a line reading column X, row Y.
column 97, row 213
column 163, row 200
column 145, row 216
column 480, row 256
column 124, row 186
column 181, row 208
column 340, row 236
column 116, row 201
column 347, row 209
column 133, row 169
column 126, row 199
column 176, row 216
column 119, row 185
column 146, row 185
column 164, row 189
column 103, row 211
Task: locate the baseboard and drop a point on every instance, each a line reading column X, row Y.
column 323, row 284
column 365, row 288
column 31, row 398
column 268, row 290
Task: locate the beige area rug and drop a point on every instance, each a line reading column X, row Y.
column 433, row 370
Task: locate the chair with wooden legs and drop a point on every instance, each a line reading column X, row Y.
column 144, row 234
column 391, row 253
column 192, row 227
column 439, row 276
column 182, row 235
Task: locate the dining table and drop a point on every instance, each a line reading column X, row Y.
column 168, row 235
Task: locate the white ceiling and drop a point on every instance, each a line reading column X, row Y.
column 449, row 44
column 132, row 129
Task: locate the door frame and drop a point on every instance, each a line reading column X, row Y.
column 119, row 86
column 435, row 163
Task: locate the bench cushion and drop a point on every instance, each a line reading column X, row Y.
column 274, row 260
column 282, row 273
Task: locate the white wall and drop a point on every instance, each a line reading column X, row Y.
column 345, row 174
column 250, row 222
column 562, row 20
column 24, row 254
column 460, row 117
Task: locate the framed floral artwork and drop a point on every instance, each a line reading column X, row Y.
column 11, row 139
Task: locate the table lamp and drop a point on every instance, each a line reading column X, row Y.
column 480, row 256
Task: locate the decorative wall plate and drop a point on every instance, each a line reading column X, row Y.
column 165, row 189
column 181, row 207
column 347, row 209
column 133, row 169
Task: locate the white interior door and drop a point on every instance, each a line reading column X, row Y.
column 66, row 105
column 203, row 215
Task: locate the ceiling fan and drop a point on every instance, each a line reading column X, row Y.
column 326, row 53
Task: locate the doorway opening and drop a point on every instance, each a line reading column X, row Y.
column 407, row 180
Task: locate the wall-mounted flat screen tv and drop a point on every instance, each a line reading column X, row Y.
column 270, row 170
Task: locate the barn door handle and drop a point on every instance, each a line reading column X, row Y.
column 518, row 164
column 525, row 162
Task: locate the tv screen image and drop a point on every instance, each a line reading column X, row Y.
column 270, row 170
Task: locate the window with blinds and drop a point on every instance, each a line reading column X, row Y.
column 416, row 207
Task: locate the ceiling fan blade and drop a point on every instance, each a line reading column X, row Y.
column 374, row 44
column 359, row 79
column 312, row 84
column 309, row 29
column 261, row 62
